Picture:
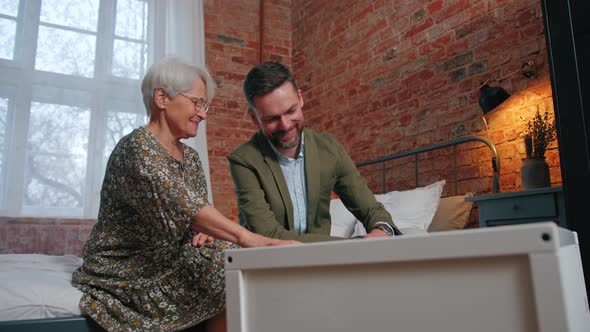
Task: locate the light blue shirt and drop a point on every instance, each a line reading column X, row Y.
column 294, row 173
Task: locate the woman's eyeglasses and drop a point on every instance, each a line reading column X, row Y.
column 199, row 103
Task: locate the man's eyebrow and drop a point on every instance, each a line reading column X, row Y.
column 270, row 117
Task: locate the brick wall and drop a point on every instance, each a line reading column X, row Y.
column 233, row 46
column 389, row 76
column 383, row 76
column 43, row 235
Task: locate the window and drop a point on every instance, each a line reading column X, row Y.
column 70, row 74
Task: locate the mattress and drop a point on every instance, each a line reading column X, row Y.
column 34, row 286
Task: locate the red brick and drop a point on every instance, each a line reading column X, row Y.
column 453, row 9
column 417, row 28
column 435, row 6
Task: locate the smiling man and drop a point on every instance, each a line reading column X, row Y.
column 284, row 175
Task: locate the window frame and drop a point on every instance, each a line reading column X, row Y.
column 20, row 75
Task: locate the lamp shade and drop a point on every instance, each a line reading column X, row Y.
column 491, row 97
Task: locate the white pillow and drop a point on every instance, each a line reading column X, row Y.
column 343, row 222
column 413, row 208
column 410, row 209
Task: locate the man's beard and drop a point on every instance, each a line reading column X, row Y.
column 275, row 140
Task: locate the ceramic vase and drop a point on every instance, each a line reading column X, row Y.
column 535, row 173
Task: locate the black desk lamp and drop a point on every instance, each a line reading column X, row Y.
column 492, row 97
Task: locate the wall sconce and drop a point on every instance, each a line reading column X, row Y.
column 492, row 97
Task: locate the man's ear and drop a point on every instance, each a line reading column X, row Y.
column 300, row 97
column 254, row 117
column 160, row 98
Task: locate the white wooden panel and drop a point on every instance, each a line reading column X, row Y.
column 472, row 280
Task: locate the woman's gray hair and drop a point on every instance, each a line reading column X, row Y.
column 174, row 76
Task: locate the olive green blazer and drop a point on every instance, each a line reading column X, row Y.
column 264, row 203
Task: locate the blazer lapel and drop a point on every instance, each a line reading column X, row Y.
column 312, row 176
column 275, row 169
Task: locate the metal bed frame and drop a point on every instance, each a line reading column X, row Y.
column 65, row 324
column 453, row 144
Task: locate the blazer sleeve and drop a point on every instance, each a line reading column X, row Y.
column 255, row 211
column 355, row 194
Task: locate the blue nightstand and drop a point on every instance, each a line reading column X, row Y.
column 535, row 205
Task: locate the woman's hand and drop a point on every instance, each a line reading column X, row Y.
column 255, row 240
column 201, row 239
column 211, row 221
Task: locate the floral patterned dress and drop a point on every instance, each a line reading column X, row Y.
column 140, row 272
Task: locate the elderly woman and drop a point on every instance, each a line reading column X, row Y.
column 144, row 268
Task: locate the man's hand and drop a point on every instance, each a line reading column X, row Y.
column 375, row 232
column 201, row 239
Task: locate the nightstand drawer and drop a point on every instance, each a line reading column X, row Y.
column 518, row 208
column 534, row 205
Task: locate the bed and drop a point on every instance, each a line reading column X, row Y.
column 49, row 302
column 37, row 295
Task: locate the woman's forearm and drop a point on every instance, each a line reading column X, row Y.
column 211, row 222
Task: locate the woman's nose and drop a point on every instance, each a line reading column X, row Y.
column 202, row 114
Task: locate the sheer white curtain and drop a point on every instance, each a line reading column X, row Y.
column 179, row 30
column 70, row 73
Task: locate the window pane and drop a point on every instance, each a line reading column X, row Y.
column 121, row 122
column 129, row 59
column 81, row 14
column 9, row 7
column 3, row 120
column 118, row 125
column 7, row 34
column 56, row 156
column 55, row 52
column 131, row 19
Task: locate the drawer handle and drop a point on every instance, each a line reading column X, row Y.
column 515, row 207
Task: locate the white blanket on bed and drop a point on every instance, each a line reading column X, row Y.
column 38, row 286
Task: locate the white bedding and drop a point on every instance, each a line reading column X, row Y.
column 36, row 286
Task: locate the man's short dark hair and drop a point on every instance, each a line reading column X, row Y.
column 264, row 78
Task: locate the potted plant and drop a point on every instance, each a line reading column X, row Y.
column 540, row 132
